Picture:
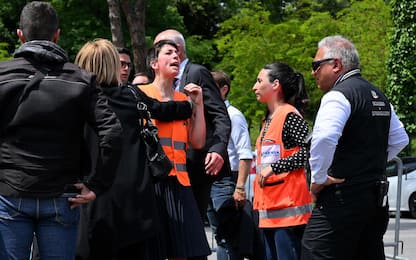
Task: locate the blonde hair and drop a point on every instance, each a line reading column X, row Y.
column 100, row 57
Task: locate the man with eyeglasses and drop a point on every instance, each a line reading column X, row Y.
column 125, row 61
column 356, row 132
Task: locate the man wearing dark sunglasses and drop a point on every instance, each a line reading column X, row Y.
column 355, row 133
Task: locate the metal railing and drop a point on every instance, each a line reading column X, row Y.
column 395, row 244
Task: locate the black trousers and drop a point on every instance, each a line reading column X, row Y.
column 202, row 196
column 201, row 193
column 346, row 224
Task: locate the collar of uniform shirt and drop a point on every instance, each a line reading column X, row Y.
column 347, row 75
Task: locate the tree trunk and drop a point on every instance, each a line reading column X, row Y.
column 135, row 15
column 115, row 23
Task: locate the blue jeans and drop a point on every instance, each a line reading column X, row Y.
column 51, row 219
column 219, row 212
column 283, row 243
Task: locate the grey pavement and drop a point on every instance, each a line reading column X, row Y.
column 212, row 244
column 407, row 235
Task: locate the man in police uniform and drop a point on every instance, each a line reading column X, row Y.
column 355, row 133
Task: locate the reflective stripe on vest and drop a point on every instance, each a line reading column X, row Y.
column 177, row 145
column 180, row 167
column 287, row 212
column 173, row 137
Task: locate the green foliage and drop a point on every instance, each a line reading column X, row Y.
column 4, row 54
column 201, row 51
column 332, row 6
column 80, row 21
column 313, row 30
column 9, row 22
column 402, row 63
column 161, row 15
column 249, row 40
column 203, row 17
column 241, row 41
column 369, row 33
column 79, row 25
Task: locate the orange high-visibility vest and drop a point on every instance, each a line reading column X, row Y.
column 173, row 137
column 285, row 199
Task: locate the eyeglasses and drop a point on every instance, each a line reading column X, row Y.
column 316, row 64
column 125, row 64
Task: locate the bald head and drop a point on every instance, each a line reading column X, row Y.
column 177, row 37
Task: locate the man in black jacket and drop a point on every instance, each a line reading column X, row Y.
column 45, row 102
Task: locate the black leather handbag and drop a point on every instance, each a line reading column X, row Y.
column 160, row 165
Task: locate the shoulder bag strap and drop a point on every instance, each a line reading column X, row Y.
column 34, row 81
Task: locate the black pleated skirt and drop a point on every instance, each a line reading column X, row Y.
column 183, row 232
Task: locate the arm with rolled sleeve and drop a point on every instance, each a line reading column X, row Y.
column 398, row 138
column 240, row 138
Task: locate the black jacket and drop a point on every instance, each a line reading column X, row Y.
column 127, row 213
column 217, row 121
column 45, row 101
column 128, row 210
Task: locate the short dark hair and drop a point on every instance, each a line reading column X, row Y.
column 154, row 51
column 221, row 79
column 123, row 50
column 38, row 21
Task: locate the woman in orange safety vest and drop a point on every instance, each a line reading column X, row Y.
column 281, row 194
column 183, row 232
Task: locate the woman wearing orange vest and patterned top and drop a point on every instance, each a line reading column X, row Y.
column 281, row 194
column 183, row 232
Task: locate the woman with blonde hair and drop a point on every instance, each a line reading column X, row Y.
column 124, row 222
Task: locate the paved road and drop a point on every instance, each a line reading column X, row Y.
column 407, row 234
column 212, row 243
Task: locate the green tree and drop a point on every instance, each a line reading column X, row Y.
column 135, row 16
column 9, row 22
column 402, row 63
column 369, row 33
column 81, row 21
column 203, row 17
column 241, row 44
column 332, row 6
column 249, row 40
column 4, row 54
column 161, row 15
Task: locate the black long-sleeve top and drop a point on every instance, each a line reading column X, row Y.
column 295, row 131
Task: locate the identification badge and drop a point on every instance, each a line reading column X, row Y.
column 270, row 153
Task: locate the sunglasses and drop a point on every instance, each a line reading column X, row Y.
column 316, row 64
